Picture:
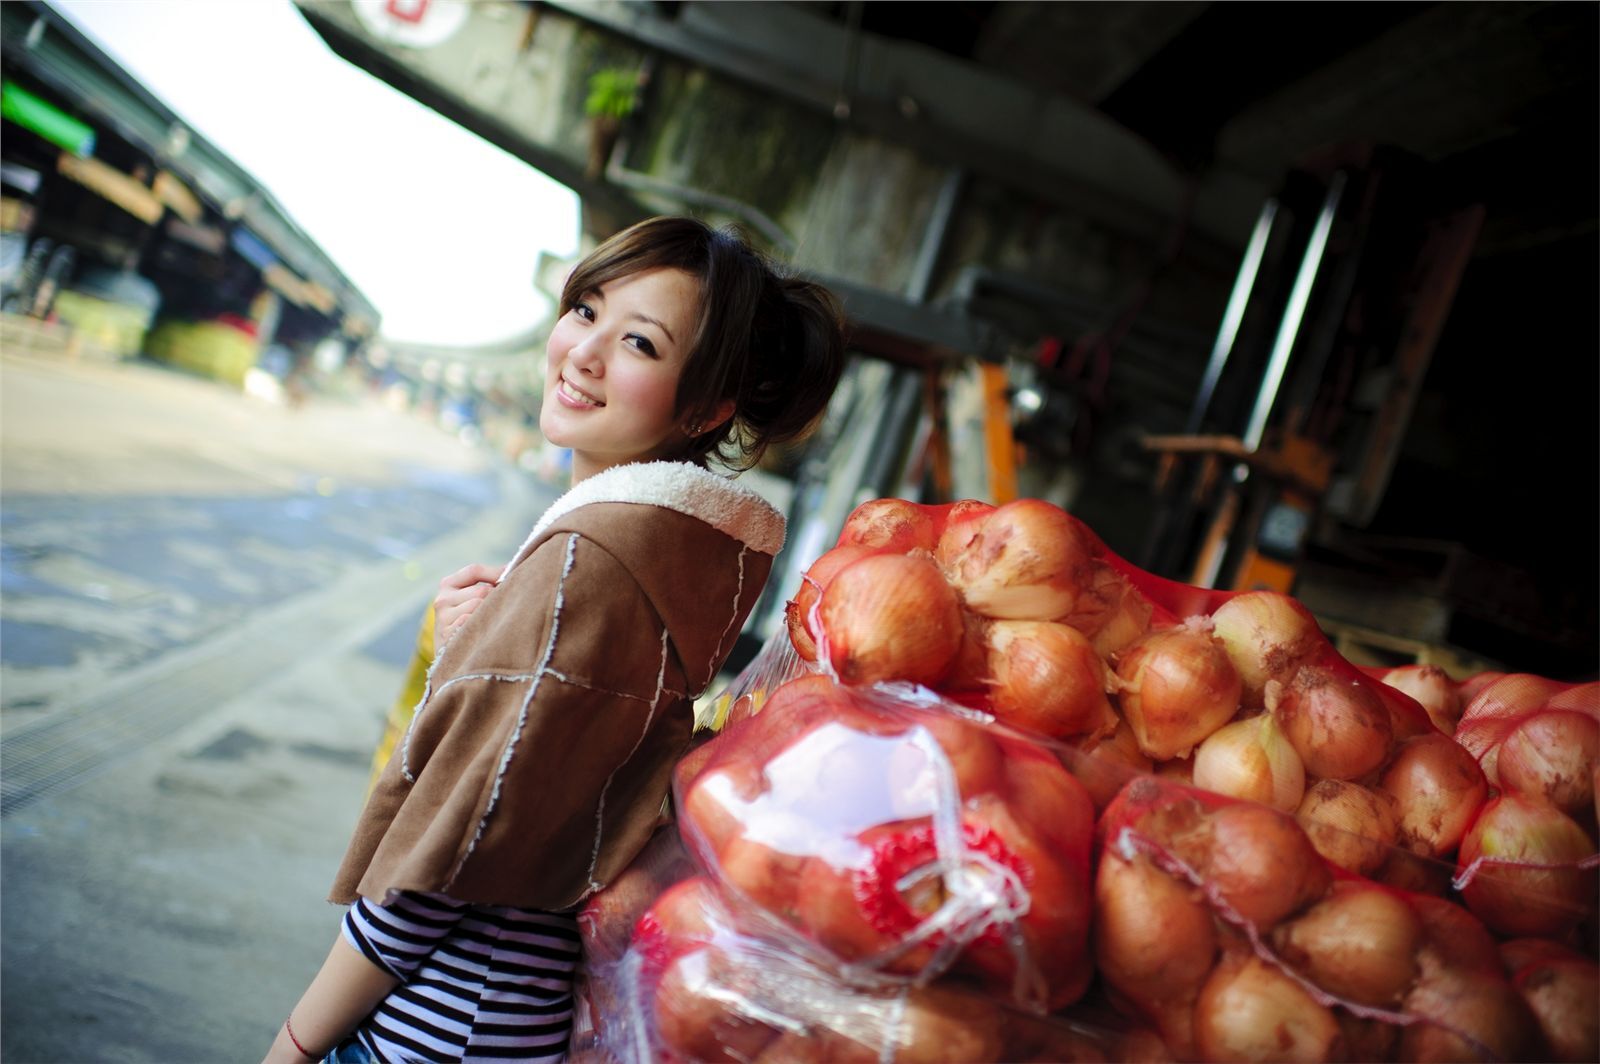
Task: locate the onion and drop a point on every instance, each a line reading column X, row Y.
column 891, row 524
column 1250, row 759
column 1176, row 687
column 1416, row 874
column 1359, row 943
column 970, row 669
column 1177, row 769
column 889, row 617
column 1110, row 611
column 1433, row 689
column 1469, row 688
column 1512, row 834
column 1407, row 718
column 1367, row 1039
column 797, row 613
column 943, row 1024
column 1047, row 678
column 1552, row 755
column 1267, row 636
column 1518, row 953
column 1154, row 941
column 1250, row 1010
column 1494, row 712
column 1108, row 763
column 1025, row 563
column 1582, row 697
column 699, row 1017
column 1437, row 789
column 1453, row 938
column 1339, row 728
column 1563, row 990
column 1260, row 862
column 1350, row 825
column 960, row 525
column 1479, row 1005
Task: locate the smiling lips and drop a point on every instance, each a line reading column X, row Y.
column 573, row 394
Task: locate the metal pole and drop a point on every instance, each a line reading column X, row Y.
column 1243, row 285
column 1289, row 327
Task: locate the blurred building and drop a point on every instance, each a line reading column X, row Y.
column 127, row 233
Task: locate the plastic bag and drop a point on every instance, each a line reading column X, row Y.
column 700, row 988
column 891, row 838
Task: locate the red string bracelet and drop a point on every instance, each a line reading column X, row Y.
column 288, row 1027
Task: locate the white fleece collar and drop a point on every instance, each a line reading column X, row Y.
column 688, row 489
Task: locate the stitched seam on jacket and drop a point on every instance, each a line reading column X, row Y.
column 600, row 810
column 572, row 682
column 717, row 655
column 522, row 713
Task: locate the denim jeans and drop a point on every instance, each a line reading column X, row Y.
column 350, row 1051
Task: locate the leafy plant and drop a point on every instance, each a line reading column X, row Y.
column 613, row 93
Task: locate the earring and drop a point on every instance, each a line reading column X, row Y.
column 694, row 428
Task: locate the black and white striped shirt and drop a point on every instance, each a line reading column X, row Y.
column 477, row 982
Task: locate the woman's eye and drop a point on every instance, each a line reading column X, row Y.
column 643, row 344
column 584, row 311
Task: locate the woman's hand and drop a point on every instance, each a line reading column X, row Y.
column 459, row 594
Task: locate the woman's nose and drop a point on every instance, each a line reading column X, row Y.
column 586, row 355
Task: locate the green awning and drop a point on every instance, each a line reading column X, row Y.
column 44, row 118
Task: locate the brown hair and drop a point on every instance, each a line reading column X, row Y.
column 771, row 342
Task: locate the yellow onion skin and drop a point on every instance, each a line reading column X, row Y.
column 1563, row 991
column 1437, row 789
column 1107, row 763
column 1552, row 756
column 1251, row 760
column 1359, row 943
column 1155, row 941
column 970, row 669
column 1267, row 636
column 1340, row 729
column 1259, row 861
column 1481, row 1005
column 1433, row 689
column 1517, row 900
column 1350, row 825
column 1046, row 678
column 1250, row 1010
column 962, row 523
column 1110, row 610
column 1453, row 938
column 797, row 612
column 1026, row 563
column 1496, row 710
column 890, row 524
column 1176, row 687
column 890, row 617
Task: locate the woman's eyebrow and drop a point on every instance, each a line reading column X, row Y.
column 658, row 324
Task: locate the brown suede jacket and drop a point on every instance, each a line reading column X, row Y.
column 542, row 751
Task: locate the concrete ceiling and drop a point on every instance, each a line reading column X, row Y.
column 1501, row 96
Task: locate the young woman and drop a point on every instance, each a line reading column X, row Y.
column 539, row 758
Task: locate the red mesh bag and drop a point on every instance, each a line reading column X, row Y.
column 1220, row 924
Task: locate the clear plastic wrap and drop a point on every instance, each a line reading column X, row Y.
column 890, row 837
column 696, row 986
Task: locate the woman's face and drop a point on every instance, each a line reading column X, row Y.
column 614, row 362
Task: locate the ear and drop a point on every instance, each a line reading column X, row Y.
column 723, row 411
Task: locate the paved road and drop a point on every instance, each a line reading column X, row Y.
column 207, row 607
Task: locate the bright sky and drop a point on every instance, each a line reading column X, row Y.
column 437, row 227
